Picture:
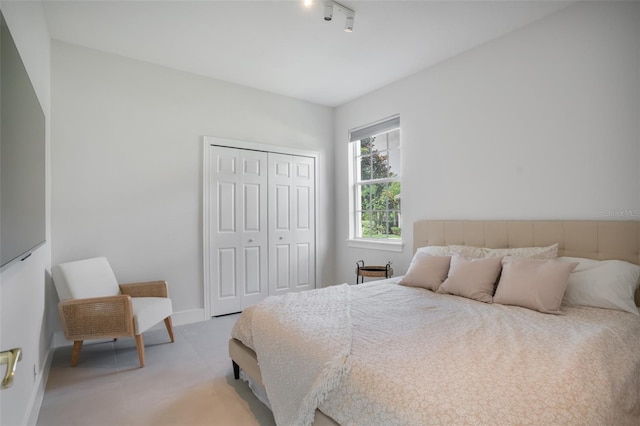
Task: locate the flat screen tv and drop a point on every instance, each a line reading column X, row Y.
column 22, row 157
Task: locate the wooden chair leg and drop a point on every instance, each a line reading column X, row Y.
column 140, row 346
column 167, row 323
column 75, row 354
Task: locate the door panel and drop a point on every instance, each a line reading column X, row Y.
column 252, row 166
column 282, row 210
column 291, row 222
column 282, row 166
column 253, row 209
column 282, row 268
column 252, row 270
column 226, row 165
column 303, row 265
column 227, row 273
column 304, row 184
column 238, row 273
column 226, row 207
column 303, row 171
column 303, row 220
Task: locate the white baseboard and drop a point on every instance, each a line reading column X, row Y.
column 177, row 318
column 188, row 317
column 35, row 402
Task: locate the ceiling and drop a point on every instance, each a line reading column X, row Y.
column 285, row 48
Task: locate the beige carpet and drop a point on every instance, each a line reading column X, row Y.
column 189, row 382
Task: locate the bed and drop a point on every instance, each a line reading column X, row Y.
column 383, row 353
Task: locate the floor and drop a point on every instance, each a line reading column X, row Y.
column 189, row 382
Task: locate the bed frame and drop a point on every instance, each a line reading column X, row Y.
column 600, row 240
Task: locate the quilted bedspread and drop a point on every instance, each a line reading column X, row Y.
column 303, row 343
column 420, row 358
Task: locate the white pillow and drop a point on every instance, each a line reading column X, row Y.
column 549, row 252
column 608, row 284
column 435, row 250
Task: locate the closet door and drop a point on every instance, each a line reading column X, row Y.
column 237, row 228
column 291, row 223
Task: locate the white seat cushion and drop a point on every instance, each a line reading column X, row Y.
column 148, row 311
column 85, row 278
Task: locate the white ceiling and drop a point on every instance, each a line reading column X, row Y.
column 285, row 48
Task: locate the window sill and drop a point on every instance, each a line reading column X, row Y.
column 396, row 246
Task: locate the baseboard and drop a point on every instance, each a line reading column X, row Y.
column 188, row 317
column 35, row 402
column 177, row 318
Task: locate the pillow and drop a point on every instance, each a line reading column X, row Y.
column 469, row 251
column 608, row 284
column 549, row 252
column 435, row 250
column 533, row 283
column 472, row 278
column 427, row 271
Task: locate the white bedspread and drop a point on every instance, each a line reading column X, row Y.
column 421, row 358
column 303, row 342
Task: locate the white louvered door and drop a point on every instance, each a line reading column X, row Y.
column 238, row 229
column 259, row 226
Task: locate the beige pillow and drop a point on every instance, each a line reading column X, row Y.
column 533, row 283
column 549, row 252
column 472, row 278
column 427, row 271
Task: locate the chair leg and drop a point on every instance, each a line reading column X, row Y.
column 140, row 346
column 167, row 323
column 75, row 354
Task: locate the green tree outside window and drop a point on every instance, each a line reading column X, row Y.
column 378, row 187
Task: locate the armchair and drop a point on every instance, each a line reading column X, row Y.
column 94, row 306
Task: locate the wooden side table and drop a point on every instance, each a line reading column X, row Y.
column 372, row 271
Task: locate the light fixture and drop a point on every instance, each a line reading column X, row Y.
column 329, row 6
column 348, row 26
column 328, row 11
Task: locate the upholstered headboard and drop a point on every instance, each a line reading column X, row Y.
column 591, row 239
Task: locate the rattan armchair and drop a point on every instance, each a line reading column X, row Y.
column 94, row 306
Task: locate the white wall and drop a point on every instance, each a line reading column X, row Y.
column 539, row 124
column 127, row 163
column 26, row 286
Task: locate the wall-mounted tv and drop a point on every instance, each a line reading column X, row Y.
column 22, row 157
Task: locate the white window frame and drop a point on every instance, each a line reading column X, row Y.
column 383, row 126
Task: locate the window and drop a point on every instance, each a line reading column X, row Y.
column 376, row 181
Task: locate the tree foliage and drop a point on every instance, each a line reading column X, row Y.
column 380, row 202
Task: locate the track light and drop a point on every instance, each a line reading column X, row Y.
column 348, row 26
column 329, row 5
column 328, row 11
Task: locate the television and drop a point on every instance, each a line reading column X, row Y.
column 22, row 157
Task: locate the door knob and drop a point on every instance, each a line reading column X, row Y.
column 10, row 358
column 281, row 238
column 250, row 240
